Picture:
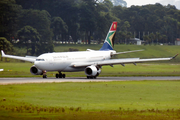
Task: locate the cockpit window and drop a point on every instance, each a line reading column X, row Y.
column 40, row 60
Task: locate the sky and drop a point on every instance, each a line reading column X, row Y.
column 144, row 2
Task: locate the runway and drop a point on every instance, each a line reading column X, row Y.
column 5, row 81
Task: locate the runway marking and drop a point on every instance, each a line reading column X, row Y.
column 6, row 81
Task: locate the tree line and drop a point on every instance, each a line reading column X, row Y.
column 35, row 24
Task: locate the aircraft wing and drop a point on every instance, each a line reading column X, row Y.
column 27, row 58
column 120, row 61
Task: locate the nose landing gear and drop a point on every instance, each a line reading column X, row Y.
column 44, row 74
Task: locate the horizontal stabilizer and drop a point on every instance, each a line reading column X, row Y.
column 127, row 52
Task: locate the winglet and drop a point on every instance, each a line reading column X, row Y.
column 175, row 56
column 3, row 54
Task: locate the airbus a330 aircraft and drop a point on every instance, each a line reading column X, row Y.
column 90, row 61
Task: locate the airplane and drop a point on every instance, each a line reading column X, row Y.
column 89, row 61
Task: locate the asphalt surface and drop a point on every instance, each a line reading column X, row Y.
column 4, row 81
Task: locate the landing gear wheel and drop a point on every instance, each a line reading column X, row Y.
column 57, row 75
column 44, row 76
column 63, row 75
column 60, row 75
column 91, row 77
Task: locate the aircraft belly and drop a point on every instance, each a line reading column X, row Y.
column 72, row 69
column 58, row 66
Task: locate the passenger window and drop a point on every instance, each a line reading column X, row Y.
column 40, row 60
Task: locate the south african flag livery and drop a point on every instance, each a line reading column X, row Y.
column 109, row 41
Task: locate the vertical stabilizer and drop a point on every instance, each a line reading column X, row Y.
column 109, row 41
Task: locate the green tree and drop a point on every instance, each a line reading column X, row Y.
column 92, row 17
column 89, row 15
column 146, row 38
column 121, row 37
column 164, row 38
column 44, row 47
column 157, row 36
column 6, row 46
column 106, row 5
column 9, row 11
column 179, row 29
column 152, row 37
column 39, row 20
column 59, row 27
column 69, row 11
column 125, row 26
column 170, row 28
column 118, row 11
column 124, row 34
column 30, row 37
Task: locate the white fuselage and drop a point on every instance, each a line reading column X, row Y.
column 63, row 61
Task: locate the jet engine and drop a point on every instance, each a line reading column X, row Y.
column 35, row 71
column 92, row 71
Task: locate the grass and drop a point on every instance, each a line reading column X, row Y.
column 92, row 100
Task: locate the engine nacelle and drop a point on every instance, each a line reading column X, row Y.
column 92, row 71
column 35, row 71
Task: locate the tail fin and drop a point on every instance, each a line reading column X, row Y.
column 109, row 41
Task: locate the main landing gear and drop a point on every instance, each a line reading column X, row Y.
column 91, row 77
column 60, row 75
